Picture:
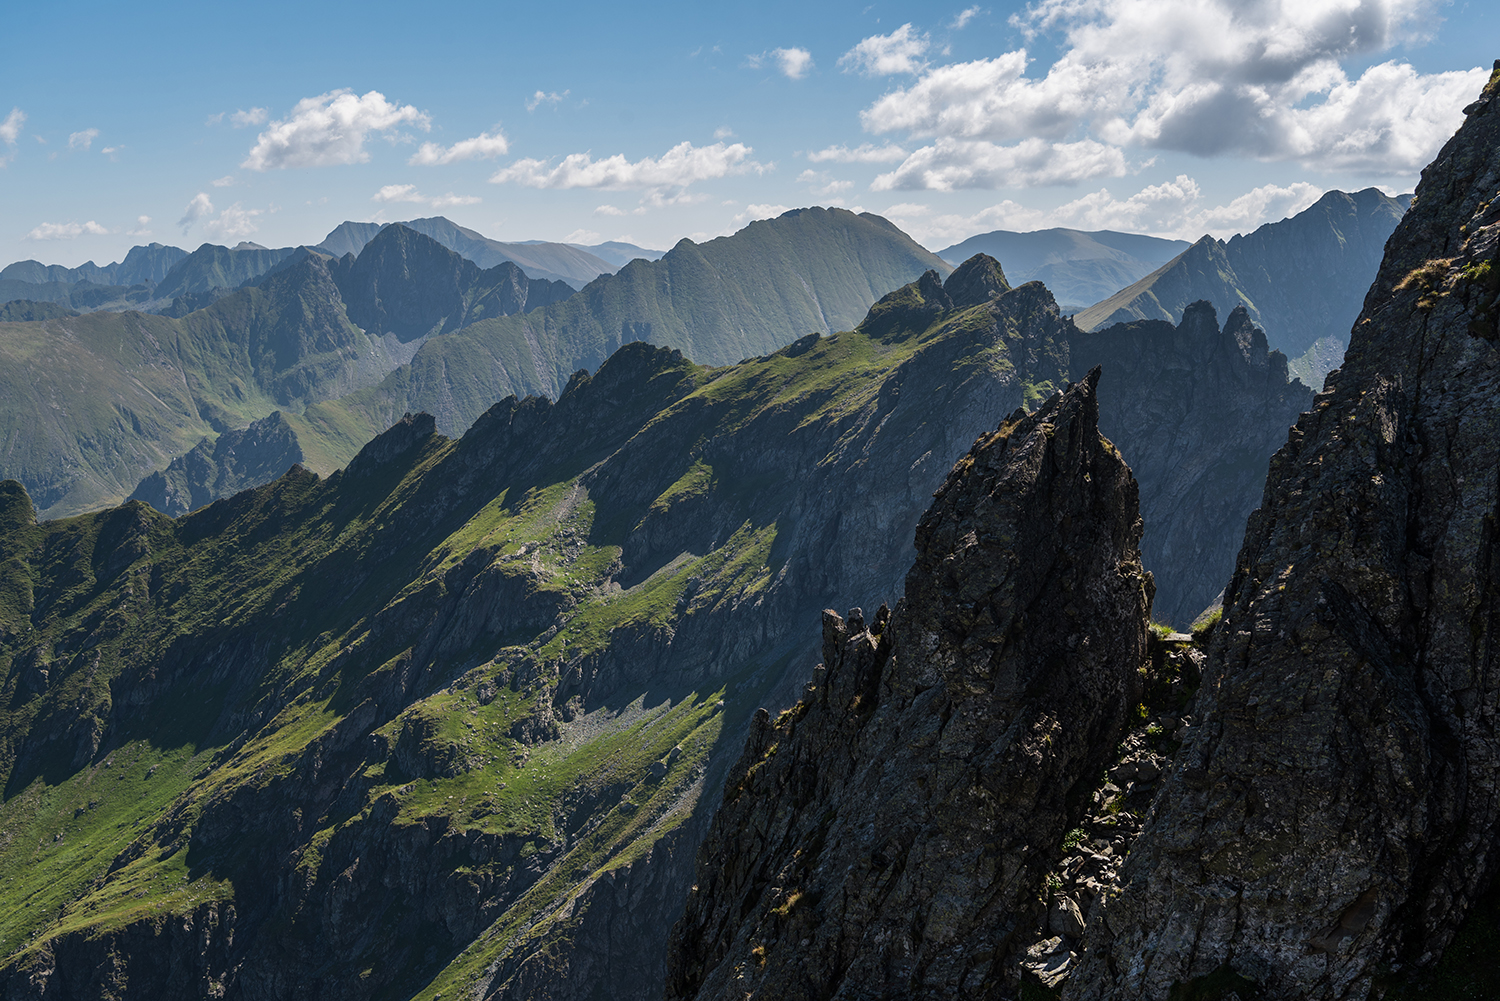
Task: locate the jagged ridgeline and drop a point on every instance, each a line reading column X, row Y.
column 887, row 835
column 441, row 722
column 1326, row 824
column 95, row 403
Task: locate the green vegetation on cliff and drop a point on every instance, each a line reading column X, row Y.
column 399, row 730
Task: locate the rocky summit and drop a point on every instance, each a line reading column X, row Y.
column 1332, row 816
column 885, row 836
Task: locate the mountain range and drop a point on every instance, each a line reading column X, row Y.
column 1303, row 279
column 1080, row 268
column 499, row 671
column 134, row 391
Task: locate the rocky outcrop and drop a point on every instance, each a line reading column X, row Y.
column 1333, row 813
column 886, row 836
column 411, row 286
column 1197, row 412
column 237, row 461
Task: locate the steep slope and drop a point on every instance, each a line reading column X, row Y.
column 409, row 285
column 1302, row 279
column 439, row 723
column 1198, row 412
column 1080, row 268
column 237, row 460
column 1333, row 814
column 212, row 267
column 731, row 298
column 540, row 260
column 887, row 835
column 96, row 403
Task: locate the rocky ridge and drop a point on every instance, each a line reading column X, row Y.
column 1332, row 817
column 885, row 836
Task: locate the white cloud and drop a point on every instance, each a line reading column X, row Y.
column 409, row 193
column 680, row 166
column 1257, row 78
column 329, row 129
column 234, row 223
column 141, row 222
column 66, row 230
column 723, row 132
column 966, row 15
column 760, row 212
column 110, row 151
column 952, row 164
column 199, row 208
column 864, row 153
column 223, row 182
column 10, row 131
column 255, row 116
column 541, row 97
column 482, row 147
column 792, row 63
column 882, row 55
column 609, row 210
column 821, row 183
column 586, row 236
column 82, row 140
column 905, row 210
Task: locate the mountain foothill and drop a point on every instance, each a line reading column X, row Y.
column 398, row 616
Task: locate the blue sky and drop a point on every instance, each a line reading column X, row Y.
column 273, row 122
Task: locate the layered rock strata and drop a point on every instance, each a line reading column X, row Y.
column 886, row 836
column 1334, row 813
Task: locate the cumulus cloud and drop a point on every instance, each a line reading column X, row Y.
column 199, row 208
column 82, row 140
column 821, row 183
column 609, row 210
column 883, row 55
column 951, row 164
column 141, row 222
column 329, row 129
column 409, row 193
column 1257, row 78
column 863, row 153
column 542, row 97
column 223, row 182
column 584, row 236
column 1174, row 208
column 10, row 131
column 966, row 15
column 255, row 116
column 234, row 223
column 792, row 63
column 753, row 212
column 482, row 147
column 66, row 230
column 680, row 166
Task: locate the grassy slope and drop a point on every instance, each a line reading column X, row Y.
column 247, row 640
column 102, row 401
column 734, row 297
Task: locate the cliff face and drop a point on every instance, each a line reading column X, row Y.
column 886, row 836
column 237, row 460
column 1197, row 411
column 1333, row 814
